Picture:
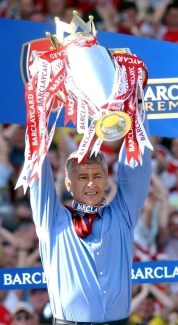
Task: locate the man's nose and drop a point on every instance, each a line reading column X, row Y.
column 91, row 184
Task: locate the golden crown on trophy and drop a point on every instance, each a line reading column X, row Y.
column 71, row 29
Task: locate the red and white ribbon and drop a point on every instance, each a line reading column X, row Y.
column 53, row 85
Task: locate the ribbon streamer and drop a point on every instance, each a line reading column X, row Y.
column 54, row 83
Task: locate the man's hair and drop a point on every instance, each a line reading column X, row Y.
column 54, row 147
column 173, row 4
column 98, row 159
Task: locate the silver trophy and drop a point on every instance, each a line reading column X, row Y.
column 92, row 77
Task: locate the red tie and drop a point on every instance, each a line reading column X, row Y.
column 82, row 229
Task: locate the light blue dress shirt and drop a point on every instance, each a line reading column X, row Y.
column 89, row 280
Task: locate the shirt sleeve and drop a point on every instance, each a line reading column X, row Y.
column 44, row 200
column 133, row 186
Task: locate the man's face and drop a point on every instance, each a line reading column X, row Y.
column 39, row 297
column 87, row 184
column 171, row 19
column 146, row 309
column 22, row 318
column 10, row 256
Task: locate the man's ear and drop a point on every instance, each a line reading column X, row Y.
column 68, row 184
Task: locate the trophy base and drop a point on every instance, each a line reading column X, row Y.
column 113, row 126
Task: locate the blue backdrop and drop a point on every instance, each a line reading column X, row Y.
column 161, row 94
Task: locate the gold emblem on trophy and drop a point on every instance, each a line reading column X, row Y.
column 113, row 126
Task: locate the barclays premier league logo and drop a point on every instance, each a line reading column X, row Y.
column 161, row 98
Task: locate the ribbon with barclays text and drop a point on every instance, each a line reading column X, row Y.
column 62, row 76
column 142, row 272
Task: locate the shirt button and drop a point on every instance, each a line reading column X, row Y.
column 104, row 291
column 101, row 273
column 97, row 253
column 95, row 239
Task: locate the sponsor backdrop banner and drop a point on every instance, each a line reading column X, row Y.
column 142, row 272
column 19, row 40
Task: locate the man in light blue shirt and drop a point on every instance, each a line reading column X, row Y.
column 89, row 277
